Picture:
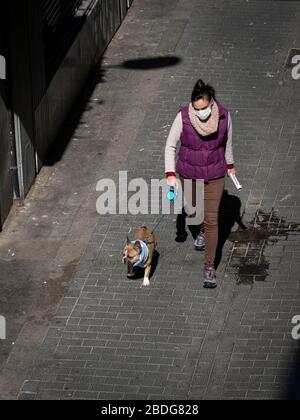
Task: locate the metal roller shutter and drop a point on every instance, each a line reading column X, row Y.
column 55, row 12
column 61, row 23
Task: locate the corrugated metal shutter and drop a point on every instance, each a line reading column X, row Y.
column 6, row 189
column 56, row 12
column 61, row 24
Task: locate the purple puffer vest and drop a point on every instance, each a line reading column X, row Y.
column 203, row 157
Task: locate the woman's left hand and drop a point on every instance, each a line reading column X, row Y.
column 231, row 171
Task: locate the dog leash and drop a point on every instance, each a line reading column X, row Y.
column 159, row 222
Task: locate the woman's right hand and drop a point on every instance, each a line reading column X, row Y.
column 173, row 182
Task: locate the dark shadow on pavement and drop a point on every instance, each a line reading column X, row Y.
column 147, row 63
column 155, row 263
column 151, row 63
column 292, row 389
column 229, row 214
column 182, row 225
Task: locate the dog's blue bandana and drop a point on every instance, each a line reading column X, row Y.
column 143, row 256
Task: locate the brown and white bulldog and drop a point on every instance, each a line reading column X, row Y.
column 139, row 253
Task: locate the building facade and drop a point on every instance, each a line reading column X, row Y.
column 47, row 50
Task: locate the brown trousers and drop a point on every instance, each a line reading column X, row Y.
column 213, row 192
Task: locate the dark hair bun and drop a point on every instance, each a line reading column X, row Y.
column 199, row 85
column 203, row 91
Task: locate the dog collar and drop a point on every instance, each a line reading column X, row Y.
column 143, row 256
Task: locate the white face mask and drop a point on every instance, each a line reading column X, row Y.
column 204, row 114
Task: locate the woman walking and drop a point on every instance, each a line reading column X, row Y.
column 204, row 131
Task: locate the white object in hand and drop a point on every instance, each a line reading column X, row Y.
column 236, row 182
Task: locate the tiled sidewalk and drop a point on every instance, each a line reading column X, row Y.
column 109, row 339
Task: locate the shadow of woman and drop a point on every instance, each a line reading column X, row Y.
column 229, row 214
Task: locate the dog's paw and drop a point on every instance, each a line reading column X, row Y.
column 146, row 283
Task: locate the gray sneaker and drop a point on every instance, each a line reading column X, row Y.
column 210, row 278
column 200, row 242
